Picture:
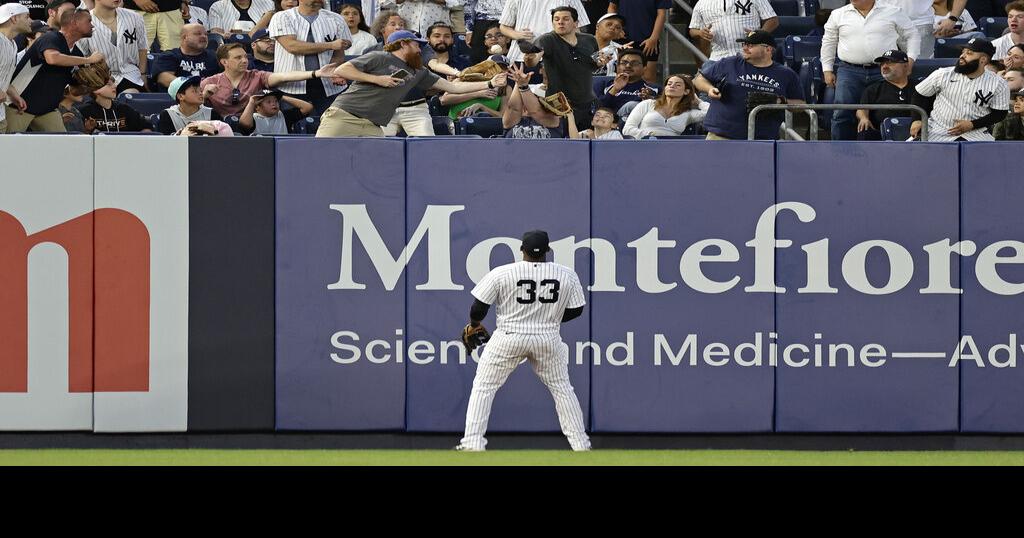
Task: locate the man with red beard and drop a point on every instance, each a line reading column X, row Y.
column 380, row 80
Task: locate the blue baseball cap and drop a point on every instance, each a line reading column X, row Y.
column 404, row 34
column 262, row 33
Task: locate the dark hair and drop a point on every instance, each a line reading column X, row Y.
column 615, row 117
column 382, row 18
column 362, row 18
column 70, row 15
column 1017, row 46
column 439, row 24
column 686, row 102
column 226, row 48
column 633, row 52
column 572, row 11
column 1016, row 5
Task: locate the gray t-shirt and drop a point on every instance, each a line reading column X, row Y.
column 377, row 103
column 570, row 68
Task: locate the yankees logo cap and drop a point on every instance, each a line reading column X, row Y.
column 893, row 56
column 983, row 46
column 535, row 242
column 9, row 11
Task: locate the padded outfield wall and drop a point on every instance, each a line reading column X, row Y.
column 320, row 285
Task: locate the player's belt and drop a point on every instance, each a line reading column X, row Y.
column 412, row 103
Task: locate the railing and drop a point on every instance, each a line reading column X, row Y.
column 786, row 127
column 671, row 32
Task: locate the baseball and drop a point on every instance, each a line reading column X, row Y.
column 495, row 49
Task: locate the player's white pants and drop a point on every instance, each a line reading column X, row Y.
column 414, row 119
column 549, row 357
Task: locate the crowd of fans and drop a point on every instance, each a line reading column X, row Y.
column 540, row 68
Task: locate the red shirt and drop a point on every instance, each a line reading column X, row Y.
column 252, row 82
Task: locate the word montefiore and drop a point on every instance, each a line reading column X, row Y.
column 434, row 230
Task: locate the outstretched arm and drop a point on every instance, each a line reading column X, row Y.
column 478, row 312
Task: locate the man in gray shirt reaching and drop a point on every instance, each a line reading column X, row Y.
column 380, row 80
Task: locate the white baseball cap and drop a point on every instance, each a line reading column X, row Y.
column 9, row 11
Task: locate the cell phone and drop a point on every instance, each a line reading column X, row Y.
column 401, row 74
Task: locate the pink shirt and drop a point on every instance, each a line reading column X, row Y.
column 252, row 83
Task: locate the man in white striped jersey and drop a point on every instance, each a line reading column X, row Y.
column 965, row 100
column 533, row 298
column 120, row 34
column 14, row 21
column 722, row 22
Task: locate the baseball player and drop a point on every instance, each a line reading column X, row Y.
column 533, row 298
column 964, row 100
column 120, row 34
column 722, row 23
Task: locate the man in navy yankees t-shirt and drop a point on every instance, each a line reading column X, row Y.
column 191, row 59
column 729, row 81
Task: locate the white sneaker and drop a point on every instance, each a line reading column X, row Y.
column 464, row 448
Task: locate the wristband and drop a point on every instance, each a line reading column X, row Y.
column 489, row 85
column 312, row 75
column 523, row 88
column 953, row 18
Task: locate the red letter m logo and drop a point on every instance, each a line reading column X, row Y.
column 108, row 301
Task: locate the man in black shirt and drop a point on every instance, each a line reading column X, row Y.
column 569, row 61
column 164, row 19
column 895, row 89
column 192, row 59
column 45, row 70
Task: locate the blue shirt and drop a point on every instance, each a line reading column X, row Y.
column 632, row 91
column 640, row 16
column 203, row 65
column 735, row 77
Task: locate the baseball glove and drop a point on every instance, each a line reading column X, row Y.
column 480, row 72
column 474, row 337
column 92, row 76
column 556, row 104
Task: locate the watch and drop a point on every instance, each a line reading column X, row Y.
column 953, row 18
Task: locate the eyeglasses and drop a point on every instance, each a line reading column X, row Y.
column 491, row 36
column 236, row 96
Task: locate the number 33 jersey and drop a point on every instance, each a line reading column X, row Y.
column 530, row 297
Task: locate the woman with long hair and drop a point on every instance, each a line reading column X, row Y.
column 279, row 6
column 670, row 114
column 361, row 37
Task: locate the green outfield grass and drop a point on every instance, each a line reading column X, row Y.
column 501, row 457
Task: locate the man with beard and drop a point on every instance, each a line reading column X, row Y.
column 894, row 90
column 967, row 98
column 628, row 87
column 440, row 38
column 311, row 37
column 192, row 58
column 380, row 80
column 45, row 70
column 262, row 51
column 14, row 21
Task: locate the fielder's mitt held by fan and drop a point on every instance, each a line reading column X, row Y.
column 556, row 104
column 474, row 337
column 481, row 72
column 92, row 76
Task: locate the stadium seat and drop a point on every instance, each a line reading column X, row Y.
column 896, row 128
column 305, row 126
column 486, row 127
column 204, row 4
column 147, row 103
column 214, row 41
column 694, row 129
column 779, row 55
column 993, row 26
column 786, row 8
column 243, row 39
column 150, row 59
column 949, row 47
column 443, row 125
column 810, row 7
column 154, row 121
column 140, row 133
column 233, row 122
column 435, row 107
column 794, row 26
column 805, row 72
column 799, row 49
column 924, row 67
column 680, row 137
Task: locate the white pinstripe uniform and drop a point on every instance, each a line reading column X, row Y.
column 1003, row 46
column 421, row 14
column 327, row 27
column 961, row 98
column 8, row 62
column 530, row 298
column 535, row 15
column 224, row 14
column 198, row 15
column 122, row 57
column 728, row 20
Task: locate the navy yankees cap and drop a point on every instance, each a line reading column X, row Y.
column 894, row 56
column 758, row 37
column 535, row 242
column 262, row 33
column 981, row 45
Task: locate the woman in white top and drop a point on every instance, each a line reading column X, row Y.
column 361, row 37
column 965, row 27
column 676, row 108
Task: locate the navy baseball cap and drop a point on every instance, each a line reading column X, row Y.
column 261, row 34
column 893, row 56
column 498, row 59
column 535, row 242
column 981, row 45
column 404, row 34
